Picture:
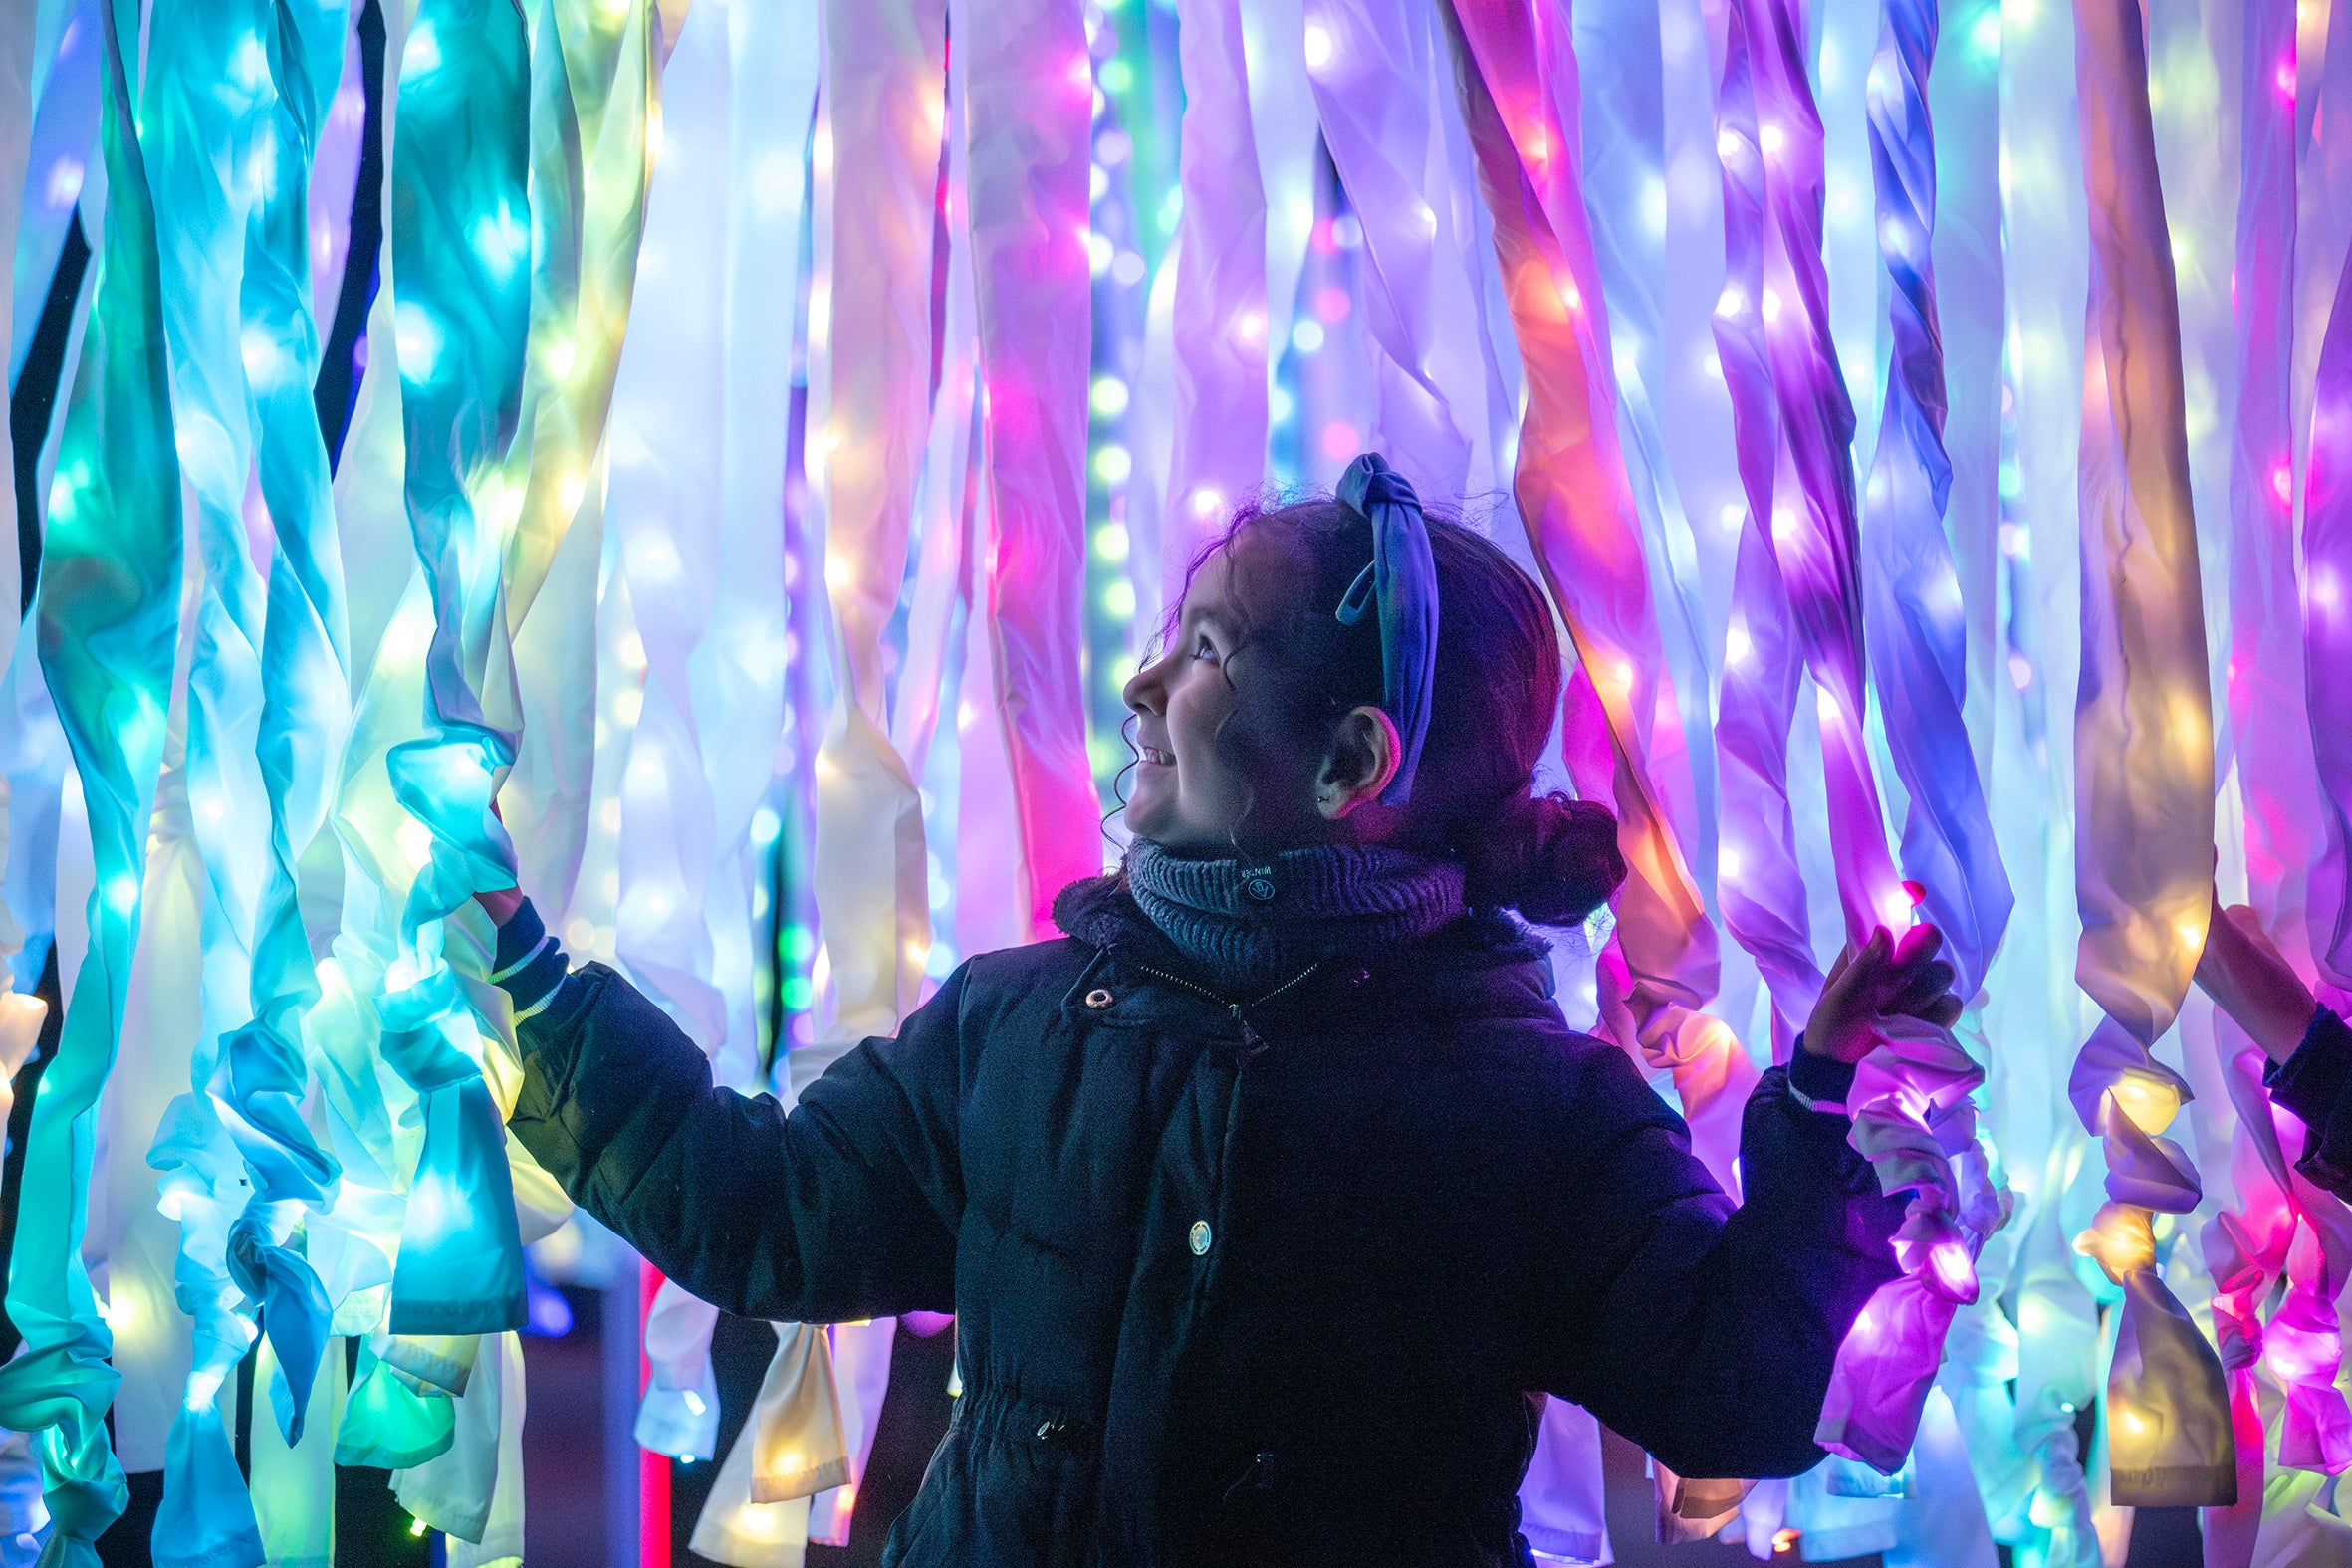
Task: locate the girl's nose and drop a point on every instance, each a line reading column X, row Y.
column 1146, row 691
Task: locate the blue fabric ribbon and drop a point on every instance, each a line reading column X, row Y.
column 1401, row 580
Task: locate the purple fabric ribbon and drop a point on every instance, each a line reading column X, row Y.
column 1918, row 638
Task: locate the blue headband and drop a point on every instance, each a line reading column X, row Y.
column 1402, row 579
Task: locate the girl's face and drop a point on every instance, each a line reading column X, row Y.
column 1211, row 748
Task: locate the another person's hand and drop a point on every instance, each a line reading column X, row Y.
column 2247, row 977
column 1882, row 979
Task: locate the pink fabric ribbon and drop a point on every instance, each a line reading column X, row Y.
column 1031, row 121
column 2269, row 727
column 2327, row 634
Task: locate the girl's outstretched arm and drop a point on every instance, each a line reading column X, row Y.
column 1707, row 1333
column 845, row 1208
column 1703, row 1332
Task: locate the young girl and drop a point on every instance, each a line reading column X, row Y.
column 1275, row 1197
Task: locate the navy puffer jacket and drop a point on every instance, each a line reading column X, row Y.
column 1279, row 1285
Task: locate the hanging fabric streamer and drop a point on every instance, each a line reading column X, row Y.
column 1759, row 885
column 107, row 632
column 1377, row 78
column 304, row 680
column 1030, row 88
column 1810, row 521
column 1618, row 96
column 2327, row 634
column 2144, row 760
column 1282, row 124
column 1913, row 1121
column 230, row 349
column 107, row 617
column 63, row 59
column 1964, row 99
column 461, row 244
column 1912, row 605
column 883, row 91
column 2269, row 726
column 1580, row 519
column 2033, row 1000
column 1221, row 302
column 663, row 507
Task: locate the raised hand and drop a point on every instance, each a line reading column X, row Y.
column 1882, row 979
column 2247, row 977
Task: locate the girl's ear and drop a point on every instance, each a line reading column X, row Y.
column 1363, row 758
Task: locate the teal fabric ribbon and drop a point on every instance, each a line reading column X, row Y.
column 241, row 89
column 460, row 1268
column 107, row 625
column 207, row 1517
column 388, row 1424
column 303, row 707
column 461, row 251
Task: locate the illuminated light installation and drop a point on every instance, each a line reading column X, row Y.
column 2142, row 746
column 991, row 423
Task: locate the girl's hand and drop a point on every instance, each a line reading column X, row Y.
column 2247, row 977
column 1881, row 978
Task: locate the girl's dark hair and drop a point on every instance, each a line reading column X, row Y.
column 1553, row 858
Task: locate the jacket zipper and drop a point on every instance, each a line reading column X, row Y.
column 1251, row 1046
column 1232, row 1006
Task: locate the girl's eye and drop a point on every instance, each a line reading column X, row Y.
column 1205, row 650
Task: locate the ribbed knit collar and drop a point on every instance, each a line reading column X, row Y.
column 1252, row 924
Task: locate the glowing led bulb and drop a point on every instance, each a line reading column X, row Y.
column 2149, row 1101
column 1319, row 46
column 2119, row 1241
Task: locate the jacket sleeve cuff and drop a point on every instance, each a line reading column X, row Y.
column 1820, row 1084
column 529, row 963
column 2316, row 1085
